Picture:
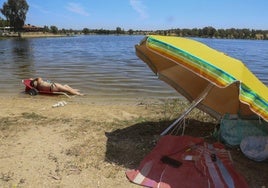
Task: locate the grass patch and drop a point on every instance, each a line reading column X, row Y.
column 32, row 116
column 7, row 122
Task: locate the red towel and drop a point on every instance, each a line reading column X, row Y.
column 202, row 165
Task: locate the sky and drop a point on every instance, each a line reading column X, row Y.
column 147, row 14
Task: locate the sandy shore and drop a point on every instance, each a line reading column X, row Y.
column 90, row 144
column 40, row 34
column 32, row 34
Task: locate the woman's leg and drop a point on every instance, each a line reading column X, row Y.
column 62, row 88
column 70, row 87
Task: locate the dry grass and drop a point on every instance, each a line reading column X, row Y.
column 123, row 144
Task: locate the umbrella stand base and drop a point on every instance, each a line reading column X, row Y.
column 195, row 102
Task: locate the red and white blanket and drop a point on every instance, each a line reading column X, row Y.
column 184, row 161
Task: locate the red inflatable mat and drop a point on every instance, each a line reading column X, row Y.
column 33, row 91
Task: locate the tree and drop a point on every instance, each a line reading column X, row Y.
column 46, row 28
column 15, row 12
column 130, row 31
column 54, row 29
column 119, row 31
column 86, row 31
column 209, row 31
column 3, row 23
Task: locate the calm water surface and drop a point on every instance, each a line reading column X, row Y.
column 104, row 66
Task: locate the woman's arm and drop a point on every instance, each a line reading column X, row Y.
column 37, row 82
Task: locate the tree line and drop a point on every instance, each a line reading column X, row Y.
column 206, row 32
column 15, row 12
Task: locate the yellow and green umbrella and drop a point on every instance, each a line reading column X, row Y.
column 224, row 84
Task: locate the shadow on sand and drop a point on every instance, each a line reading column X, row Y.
column 128, row 146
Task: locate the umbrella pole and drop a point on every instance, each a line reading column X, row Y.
column 201, row 97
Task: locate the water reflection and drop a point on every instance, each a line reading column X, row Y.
column 16, row 62
column 22, row 54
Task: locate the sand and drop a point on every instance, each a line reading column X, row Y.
column 91, row 142
column 33, row 35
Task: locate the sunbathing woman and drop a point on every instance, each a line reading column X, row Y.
column 42, row 85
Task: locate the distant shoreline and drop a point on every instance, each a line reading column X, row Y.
column 40, row 34
column 32, row 35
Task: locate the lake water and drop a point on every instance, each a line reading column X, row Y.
column 105, row 66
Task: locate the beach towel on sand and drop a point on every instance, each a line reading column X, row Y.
column 191, row 162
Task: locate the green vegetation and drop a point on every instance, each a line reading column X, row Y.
column 210, row 32
column 15, row 12
column 206, row 32
column 3, row 23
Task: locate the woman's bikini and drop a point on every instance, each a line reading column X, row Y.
column 52, row 85
column 43, row 84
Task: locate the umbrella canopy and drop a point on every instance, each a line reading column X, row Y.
column 194, row 69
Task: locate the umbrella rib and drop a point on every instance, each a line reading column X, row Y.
column 201, row 97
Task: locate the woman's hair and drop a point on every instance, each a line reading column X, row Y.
column 32, row 83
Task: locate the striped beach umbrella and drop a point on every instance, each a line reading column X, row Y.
column 213, row 81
